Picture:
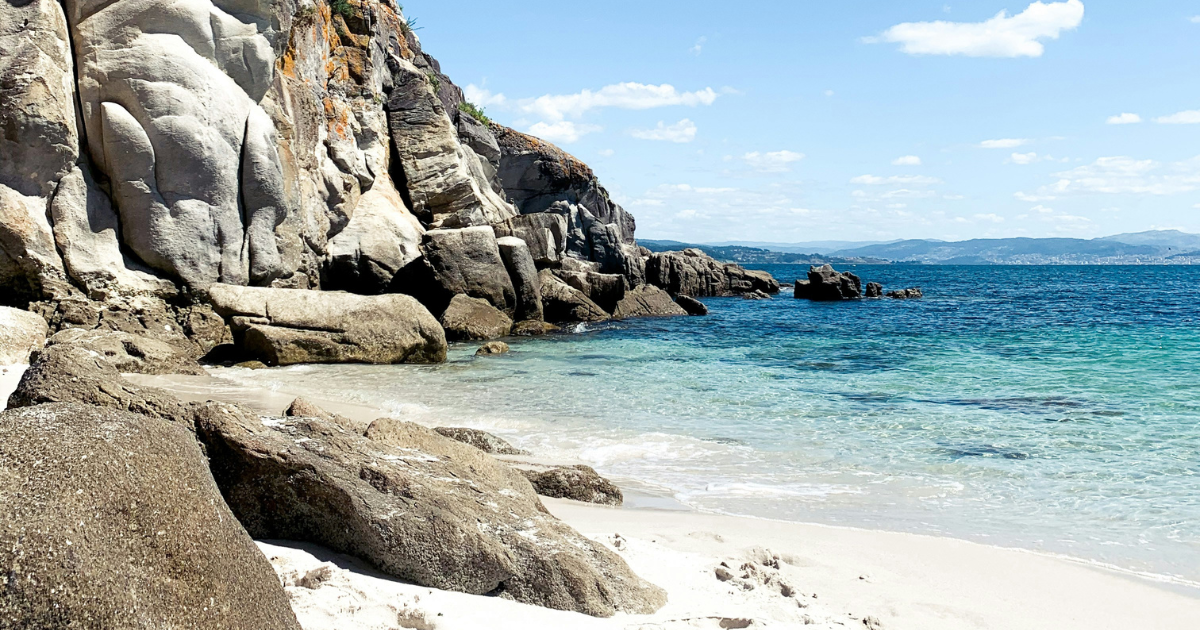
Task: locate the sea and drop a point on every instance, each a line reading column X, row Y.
column 1049, row 408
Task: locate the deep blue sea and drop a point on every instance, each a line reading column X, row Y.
column 1049, row 408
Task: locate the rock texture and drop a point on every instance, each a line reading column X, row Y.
column 21, row 334
column 420, row 506
column 873, row 290
column 133, row 353
column 564, row 303
column 691, row 305
column 826, row 284
column 112, row 520
column 693, row 273
column 647, row 301
column 288, row 326
column 473, row 319
column 522, row 270
column 545, row 234
column 906, row 294
column 481, row 440
column 492, row 348
column 465, row 262
column 578, row 483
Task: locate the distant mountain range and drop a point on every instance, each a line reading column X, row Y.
column 1153, row 247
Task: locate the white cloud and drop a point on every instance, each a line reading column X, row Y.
column 1001, row 36
column 1023, row 158
column 1033, row 198
column 1003, row 143
column 917, row 180
column 1124, row 118
column 828, row 92
column 1195, row 19
column 552, row 107
column 772, row 162
column 1190, row 117
column 699, row 47
column 482, row 96
column 905, row 193
column 1125, row 175
column 994, row 218
column 562, row 131
column 907, row 160
column 606, row 152
column 1040, row 209
column 682, row 131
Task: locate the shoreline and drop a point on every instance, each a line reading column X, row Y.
column 924, row 570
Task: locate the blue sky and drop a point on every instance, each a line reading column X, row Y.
column 851, row 120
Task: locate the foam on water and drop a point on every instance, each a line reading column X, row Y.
column 1049, row 408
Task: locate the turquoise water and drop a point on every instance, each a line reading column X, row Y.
column 1048, row 408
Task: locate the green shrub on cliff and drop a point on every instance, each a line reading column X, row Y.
column 475, row 111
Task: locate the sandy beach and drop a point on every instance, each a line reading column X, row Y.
column 732, row 572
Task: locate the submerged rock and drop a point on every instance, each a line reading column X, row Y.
column 826, row 284
column 111, row 520
column 492, row 348
column 647, row 301
column 578, row 483
column 21, row 333
column 419, row 506
column 691, row 305
column 481, row 440
column 289, row 326
column 534, row 328
column 473, row 319
column 874, row 290
column 906, row 294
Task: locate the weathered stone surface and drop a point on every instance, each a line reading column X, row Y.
column 473, row 319
column 481, row 440
column 564, row 303
column 755, row 295
column 381, row 238
column 111, row 520
column 524, row 275
column 21, row 333
column 545, row 233
column 446, row 182
column 534, row 328
column 419, row 506
column 874, row 290
column 691, row 305
column 492, row 348
column 71, row 373
column 826, row 284
column 693, row 273
column 541, row 178
column 578, row 483
column 133, row 353
column 906, row 294
column 606, row 290
column 301, row 408
column 466, row 262
column 287, row 326
column 647, row 301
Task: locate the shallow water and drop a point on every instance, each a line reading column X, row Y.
column 1048, row 408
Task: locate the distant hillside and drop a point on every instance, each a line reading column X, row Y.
column 754, row 255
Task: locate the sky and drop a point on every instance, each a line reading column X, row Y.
column 792, row 121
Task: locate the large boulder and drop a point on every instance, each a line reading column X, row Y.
column 564, row 304
column 288, row 326
column 380, row 239
column 691, row 305
column 524, row 275
column 473, row 319
column 604, row 289
column 133, row 353
column 72, row 373
column 481, row 440
column 465, row 261
column 826, row 284
column 544, row 232
column 647, row 301
column 21, row 333
column 693, row 273
column 111, row 520
column 578, row 483
column 417, row 505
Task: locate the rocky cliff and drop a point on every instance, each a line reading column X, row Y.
column 155, row 148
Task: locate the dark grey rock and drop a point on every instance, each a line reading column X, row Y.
column 465, row 261
column 693, row 273
column 691, row 305
column 564, row 303
column 826, row 284
column 524, row 275
column 578, row 483
column 481, row 440
column 605, row 289
column 647, row 301
column 545, row 233
column 874, row 290
column 906, row 294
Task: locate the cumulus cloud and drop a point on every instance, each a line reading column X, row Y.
column 907, row 160
column 482, row 96
column 902, row 180
column 1033, row 198
column 994, row 218
column 682, row 131
column 1023, row 158
column 563, row 131
column 556, row 107
column 1190, row 117
column 1003, row 143
column 1125, row 175
column 1001, row 36
column 1124, row 118
column 772, row 162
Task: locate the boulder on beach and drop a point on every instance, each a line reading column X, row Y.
column 419, row 506
column 826, row 284
column 111, row 520
column 462, row 261
column 647, row 301
column 564, row 303
column 605, row 289
column 492, row 348
column 303, row 408
column 691, row 305
column 289, row 326
column 578, row 483
column 481, row 440
column 21, row 333
column 132, row 353
column 906, row 294
column 473, row 319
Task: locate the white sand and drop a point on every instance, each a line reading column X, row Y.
column 10, row 377
column 838, row 577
